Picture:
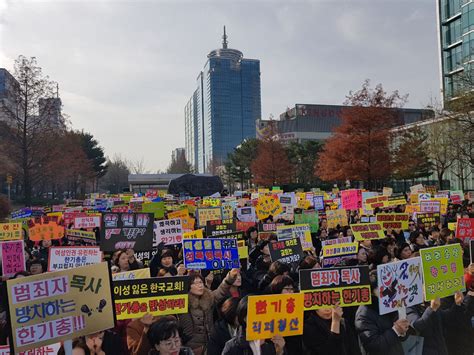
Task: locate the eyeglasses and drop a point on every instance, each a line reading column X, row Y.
column 176, row 341
column 198, row 282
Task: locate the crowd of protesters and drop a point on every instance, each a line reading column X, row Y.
column 216, row 319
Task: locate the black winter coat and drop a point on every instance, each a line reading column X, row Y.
column 460, row 334
column 219, row 336
column 375, row 331
column 239, row 346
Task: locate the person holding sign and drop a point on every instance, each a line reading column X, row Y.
column 165, row 338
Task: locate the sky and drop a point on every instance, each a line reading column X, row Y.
column 126, row 69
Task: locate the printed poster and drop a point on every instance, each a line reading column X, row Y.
column 57, row 306
column 211, row 254
column 286, row 251
column 336, row 217
column 208, row 214
column 10, row 231
column 168, row 232
column 268, row 206
column 13, row 257
column 393, row 220
column 132, row 275
column 62, row 258
column 465, row 229
column 367, row 231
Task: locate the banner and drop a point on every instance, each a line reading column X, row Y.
column 157, row 208
column 42, row 230
column 132, row 274
column 168, row 232
column 308, row 217
column 57, row 306
column 87, row 222
column 220, row 227
column 393, row 220
column 428, row 219
column 336, row 217
column 126, row 231
column 323, row 288
column 400, row 285
column 62, row 258
column 465, row 229
column 351, row 199
column 268, row 206
column 246, row 214
column 340, row 249
column 269, row 315
column 287, row 251
column 443, row 271
column 208, row 214
column 10, row 231
column 210, row 254
column 13, row 257
column 367, row 231
column 158, row 296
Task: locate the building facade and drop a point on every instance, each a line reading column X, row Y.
column 223, row 109
column 178, row 153
column 316, row 122
column 9, row 103
column 456, row 45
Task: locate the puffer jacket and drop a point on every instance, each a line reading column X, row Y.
column 198, row 323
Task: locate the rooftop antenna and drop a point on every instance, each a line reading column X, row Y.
column 224, row 40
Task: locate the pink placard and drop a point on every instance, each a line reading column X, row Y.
column 351, row 199
column 13, row 257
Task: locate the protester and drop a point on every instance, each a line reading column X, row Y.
column 165, row 339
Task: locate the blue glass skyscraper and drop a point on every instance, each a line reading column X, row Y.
column 223, row 110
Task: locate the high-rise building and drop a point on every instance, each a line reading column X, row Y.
column 9, row 101
column 178, row 153
column 456, row 45
column 224, row 108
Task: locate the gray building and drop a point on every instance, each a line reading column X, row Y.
column 224, row 108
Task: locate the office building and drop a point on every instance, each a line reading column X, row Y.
column 178, row 153
column 223, row 109
column 456, row 45
column 9, row 103
column 317, row 122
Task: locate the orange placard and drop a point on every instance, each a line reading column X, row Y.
column 46, row 231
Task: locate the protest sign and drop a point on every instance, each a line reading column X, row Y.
column 208, row 214
column 424, row 196
column 211, row 254
column 318, row 202
column 241, row 244
column 79, row 235
column 62, row 258
column 387, row 191
column 22, row 213
column 132, row 274
column 244, row 226
column 10, row 231
column 336, row 241
column 227, row 210
column 351, row 199
column 87, row 222
column 268, row 206
column 372, row 203
column 465, row 229
column 286, row 251
column 126, row 231
column 367, row 231
column 301, row 231
column 456, row 197
column 44, row 350
column 308, row 217
column 430, row 206
column 40, row 229
column 157, row 296
column 57, row 306
column 443, row 271
column 220, row 227
column 197, row 234
column 212, row 202
column 182, row 213
column 452, row 226
column 428, row 219
column 411, row 209
column 368, row 219
column 324, row 288
column 340, row 249
column 157, row 208
column 168, row 232
column 393, row 220
column 301, row 201
column 288, row 198
column 13, row 257
column 336, row 217
column 337, row 260
column 400, row 285
column 187, row 223
column 269, row 315
column 395, row 200
column 246, row 214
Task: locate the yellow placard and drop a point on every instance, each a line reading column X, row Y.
column 270, row 315
column 367, row 231
column 57, row 306
column 183, row 213
column 452, row 226
column 413, row 199
column 393, row 220
column 340, row 249
column 444, row 203
column 10, row 231
column 197, row 234
column 410, row 209
column 211, row 202
column 335, row 217
column 132, row 275
column 268, row 206
column 208, row 214
column 302, row 202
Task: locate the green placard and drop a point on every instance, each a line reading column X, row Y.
column 308, row 217
column 443, row 271
column 157, row 208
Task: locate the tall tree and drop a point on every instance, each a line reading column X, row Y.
column 271, row 165
column 116, row 177
column 359, row 149
column 410, row 156
column 179, row 165
column 303, row 157
column 238, row 164
column 95, row 154
column 30, row 125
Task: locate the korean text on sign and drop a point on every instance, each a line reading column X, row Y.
column 62, row 258
column 168, row 232
column 157, row 296
column 13, row 257
column 367, row 231
column 10, row 231
column 443, row 271
column 287, row 251
column 323, row 288
column 57, row 306
column 211, row 254
column 270, row 315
